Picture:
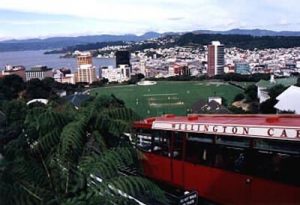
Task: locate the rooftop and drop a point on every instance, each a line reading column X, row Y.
column 264, row 121
column 39, row 68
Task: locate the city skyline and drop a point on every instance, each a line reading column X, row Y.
column 40, row 19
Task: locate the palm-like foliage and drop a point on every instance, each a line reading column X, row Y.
column 74, row 157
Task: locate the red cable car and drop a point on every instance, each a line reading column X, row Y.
column 227, row 159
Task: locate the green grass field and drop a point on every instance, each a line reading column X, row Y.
column 168, row 96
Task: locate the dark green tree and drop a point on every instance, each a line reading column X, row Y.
column 276, row 90
column 15, row 112
column 10, row 87
column 136, row 78
column 267, row 107
column 37, row 89
column 251, row 93
column 239, row 97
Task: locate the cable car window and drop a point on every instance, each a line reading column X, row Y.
column 200, row 149
column 231, row 158
column 144, row 139
column 277, row 160
column 233, row 141
column 290, row 147
column 200, row 137
column 161, row 142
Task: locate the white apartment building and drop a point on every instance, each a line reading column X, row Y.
column 58, row 75
column 69, row 78
column 120, row 74
column 38, row 72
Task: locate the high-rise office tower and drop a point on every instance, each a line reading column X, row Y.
column 216, row 62
column 122, row 58
column 86, row 71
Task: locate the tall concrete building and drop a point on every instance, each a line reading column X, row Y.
column 86, row 72
column 215, row 61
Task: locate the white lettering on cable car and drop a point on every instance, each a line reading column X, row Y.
column 255, row 131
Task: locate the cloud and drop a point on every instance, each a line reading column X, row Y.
column 3, row 37
column 283, row 22
column 138, row 16
column 125, row 16
column 112, row 10
column 30, row 22
column 175, row 18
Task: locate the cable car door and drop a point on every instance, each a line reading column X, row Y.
column 177, row 157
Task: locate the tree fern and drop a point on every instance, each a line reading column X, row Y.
column 74, row 157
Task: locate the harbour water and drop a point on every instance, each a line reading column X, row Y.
column 32, row 58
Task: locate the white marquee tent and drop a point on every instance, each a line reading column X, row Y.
column 289, row 100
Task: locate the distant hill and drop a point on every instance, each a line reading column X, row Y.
column 240, row 41
column 251, row 32
column 60, row 42
column 201, row 39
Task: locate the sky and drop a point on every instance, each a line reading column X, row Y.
column 21, row 19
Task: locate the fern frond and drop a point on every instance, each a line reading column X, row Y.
column 15, row 147
column 118, row 127
column 139, row 187
column 100, row 121
column 109, row 162
column 45, row 120
column 125, row 188
column 100, row 140
column 47, row 142
column 12, row 194
column 72, row 140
